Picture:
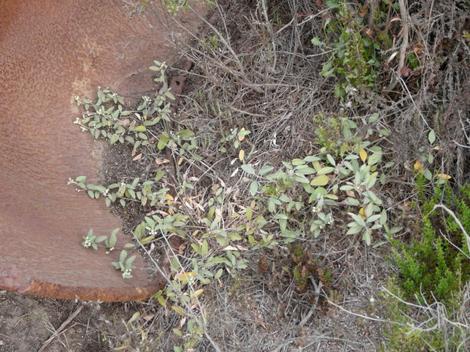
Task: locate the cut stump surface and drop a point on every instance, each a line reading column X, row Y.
column 51, row 51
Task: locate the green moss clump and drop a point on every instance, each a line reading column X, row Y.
column 405, row 336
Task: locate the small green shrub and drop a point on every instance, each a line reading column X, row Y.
column 306, row 196
column 338, row 135
column 431, row 265
column 355, row 59
column 434, row 270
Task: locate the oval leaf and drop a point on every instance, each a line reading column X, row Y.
column 321, row 180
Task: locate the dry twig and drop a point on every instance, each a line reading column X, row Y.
column 60, row 329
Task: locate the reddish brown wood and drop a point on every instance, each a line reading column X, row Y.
column 51, row 51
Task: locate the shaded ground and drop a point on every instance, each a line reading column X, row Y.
column 26, row 323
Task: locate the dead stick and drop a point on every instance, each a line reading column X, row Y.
column 405, row 34
column 451, row 213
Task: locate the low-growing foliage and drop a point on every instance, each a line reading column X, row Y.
column 297, row 201
column 338, row 135
column 434, row 271
column 144, row 128
column 146, row 193
column 175, row 6
column 355, row 55
column 436, row 264
column 304, row 196
column 211, row 251
column 93, row 241
column 108, row 119
column 426, row 328
column 125, row 263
